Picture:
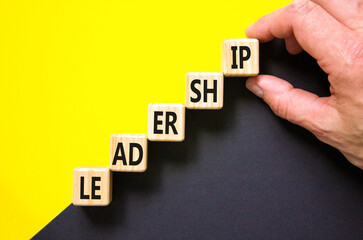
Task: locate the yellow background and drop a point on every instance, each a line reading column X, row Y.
column 74, row 72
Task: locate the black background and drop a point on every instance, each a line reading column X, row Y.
column 241, row 173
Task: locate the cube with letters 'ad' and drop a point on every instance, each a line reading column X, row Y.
column 128, row 152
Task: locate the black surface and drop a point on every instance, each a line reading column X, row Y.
column 242, row 173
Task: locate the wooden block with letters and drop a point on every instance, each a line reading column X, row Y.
column 240, row 57
column 166, row 122
column 92, row 186
column 204, row 90
column 128, row 152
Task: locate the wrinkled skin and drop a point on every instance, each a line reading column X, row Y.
column 331, row 31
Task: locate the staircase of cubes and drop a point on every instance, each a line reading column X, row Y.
column 92, row 186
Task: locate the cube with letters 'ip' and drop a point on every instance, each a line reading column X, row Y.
column 92, row 186
column 240, row 57
column 204, row 90
column 128, row 152
column 166, row 122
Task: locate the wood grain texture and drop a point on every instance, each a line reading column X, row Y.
column 166, row 122
column 90, row 183
column 196, row 84
column 231, row 61
column 130, row 151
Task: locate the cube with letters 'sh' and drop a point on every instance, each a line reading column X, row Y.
column 204, row 90
column 166, row 122
column 128, row 152
column 240, row 57
column 92, row 186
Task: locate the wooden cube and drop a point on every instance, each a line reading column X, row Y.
column 240, row 57
column 204, row 90
column 166, row 122
column 128, row 153
column 92, row 186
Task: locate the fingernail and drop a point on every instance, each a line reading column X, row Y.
column 252, row 86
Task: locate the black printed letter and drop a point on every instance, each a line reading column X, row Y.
column 210, row 90
column 94, row 187
column 83, row 196
column 234, row 56
column 117, row 157
column 195, row 90
column 156, row 122
column 244, row 58
column 170, row 122
column 138, row 146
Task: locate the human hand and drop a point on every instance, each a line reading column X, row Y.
column 332, row 33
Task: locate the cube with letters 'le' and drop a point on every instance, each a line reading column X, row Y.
column 92, row 186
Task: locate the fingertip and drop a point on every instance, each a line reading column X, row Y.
column 253, row 87
column 269, row 84
column 292, row 45
column 295, row 51
column 249, row 30
column 250, row 79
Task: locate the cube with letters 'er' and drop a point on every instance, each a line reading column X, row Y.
column 92, row 186
column 166, row 122
column 128, row 152
column 204, row 90
column 240, row 57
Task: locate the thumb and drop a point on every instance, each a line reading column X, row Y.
column 295, row 105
